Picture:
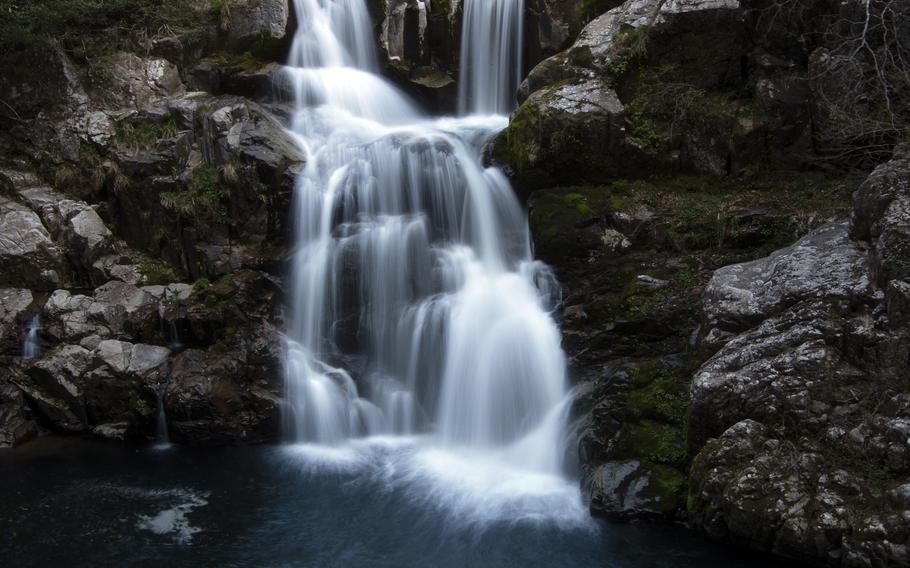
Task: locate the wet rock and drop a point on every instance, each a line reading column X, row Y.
column 627, row 489
column 419, row 43
column 227, row 393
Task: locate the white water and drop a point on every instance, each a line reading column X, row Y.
column 418, row 311
column 491, row 57
column 31, row 346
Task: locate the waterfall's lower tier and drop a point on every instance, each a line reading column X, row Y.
column 418, row 259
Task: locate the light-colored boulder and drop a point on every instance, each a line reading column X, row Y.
column 28, row 255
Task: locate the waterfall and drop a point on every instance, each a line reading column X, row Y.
column 412, row 255
column 491, row 62
column 162, row 439
column 31, row 345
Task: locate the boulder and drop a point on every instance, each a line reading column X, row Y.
column 28, row 255
column 229, row 392
column 881, row 216
column 826, row 264
column 17, row 423
column 75, row 225
column 563, row 132
column 14, row 304
column 801, row 418
column 54, row 384
column 671, row 73
column 252, row 21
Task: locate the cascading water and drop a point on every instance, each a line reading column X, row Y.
column 162, row 439
column 491, row 58
column 31, row 346
column 414, row 261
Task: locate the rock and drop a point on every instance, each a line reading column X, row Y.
column 76, row 226
column 125, row 309
column 419, row 43
column 227, row 394
column 14, row 302
column 17, row 423
column 624, row 489
column 134, row 82
column 126, row 358
column 116, row 354
column 112, row 431
column 54, row 384
column 117, row 309
column 145, row 359
column 825, row 264
column 898, row 302
column 564, row 131
column 68, row 317
column 551, row 25
column 252, row 21
column 651, row 282
column 881, row 216
column 801, row 419
column 246, row 162
column 28, row 255
column 652, row 59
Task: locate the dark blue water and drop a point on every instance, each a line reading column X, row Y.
column 69, row 502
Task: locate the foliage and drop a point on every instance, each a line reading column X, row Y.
column 145, row 134
column 75, row 23
column 156, row 271
column 204, row 200
column 860, row 72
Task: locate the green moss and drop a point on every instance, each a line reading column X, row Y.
column 201, row 284
column 665, row 489
column 156, row 271
column 579, row 201
column 657, row 442
column 204, row 200
column 521, row 140
column 662, row 398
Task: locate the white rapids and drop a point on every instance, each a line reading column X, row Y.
column 417, row 311
column 31, row 345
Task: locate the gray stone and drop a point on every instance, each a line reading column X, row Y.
column 825, row 264
column 28, row 255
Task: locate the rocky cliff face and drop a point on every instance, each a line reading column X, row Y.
column 144, row 226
